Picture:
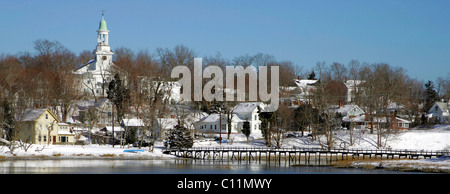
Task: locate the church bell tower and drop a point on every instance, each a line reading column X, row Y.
column 103, row 53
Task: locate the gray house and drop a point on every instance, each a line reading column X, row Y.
column 440, row 110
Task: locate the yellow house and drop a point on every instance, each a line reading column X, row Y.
column 39, row 126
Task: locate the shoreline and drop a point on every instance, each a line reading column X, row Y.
column 400, row 165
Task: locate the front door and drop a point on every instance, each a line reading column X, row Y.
column 54, row 139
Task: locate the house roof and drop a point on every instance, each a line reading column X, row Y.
column 304, row 82
column 215, row 118
column 344, row 110
column 442, row 105
column 35, row 113
column 84, row 105
column 246, row 107
column 84, row 65
column 133, row 122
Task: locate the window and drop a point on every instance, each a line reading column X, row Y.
column 45, row 138
column 39, row 138
column 63, row 139
column 46, row 116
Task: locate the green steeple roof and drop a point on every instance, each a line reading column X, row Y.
column 102, row 26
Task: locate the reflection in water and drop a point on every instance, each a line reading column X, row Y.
column 179, row 166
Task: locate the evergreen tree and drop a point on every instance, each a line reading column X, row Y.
column 431, row 96
column 118, row 94
column 266, row 119
column 7, row 120
column 179, row 137
column 246, row 129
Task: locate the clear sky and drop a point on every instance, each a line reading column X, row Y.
column 413, row 34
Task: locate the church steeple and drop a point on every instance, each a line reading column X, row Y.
column 102, row 38
column 103, row 52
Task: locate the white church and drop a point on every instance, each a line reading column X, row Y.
column 95, row 74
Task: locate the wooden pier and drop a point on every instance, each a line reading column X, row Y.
column 306, row 156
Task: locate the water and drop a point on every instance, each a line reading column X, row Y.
column 178, row 166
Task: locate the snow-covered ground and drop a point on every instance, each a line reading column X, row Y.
column 93, row 151
column 436, row 138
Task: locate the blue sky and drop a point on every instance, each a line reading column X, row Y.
column 411, row 34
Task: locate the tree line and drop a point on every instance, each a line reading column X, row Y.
column 45, row 79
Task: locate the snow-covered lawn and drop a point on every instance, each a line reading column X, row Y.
column 93, row 151
column 437, row 138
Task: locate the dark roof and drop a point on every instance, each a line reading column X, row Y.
column 86, row 64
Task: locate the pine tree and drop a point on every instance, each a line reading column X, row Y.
column 118, row 94
column 7, row 120
column 180, row 137
column 266, row 120
column 246, row 129
column 431, row 96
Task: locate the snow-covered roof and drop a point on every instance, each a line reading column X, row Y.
column 395, row 106
column 304, row 82
column 349, row 109
column 65, row 132
column 133, row 122
column 400, row 120
column 246, row 107
column 215, row 118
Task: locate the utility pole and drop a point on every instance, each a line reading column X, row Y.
column 220, row 125
column 113, row 125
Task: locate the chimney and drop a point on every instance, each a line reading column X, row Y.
column 341, row 103
column 299, row 77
